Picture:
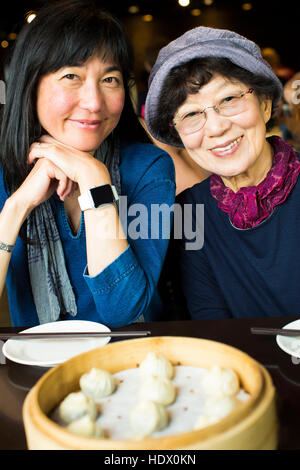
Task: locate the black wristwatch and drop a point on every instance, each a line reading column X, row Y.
column 98, row 196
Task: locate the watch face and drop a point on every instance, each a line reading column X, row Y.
column 102, row 195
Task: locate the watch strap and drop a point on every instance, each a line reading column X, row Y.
column 86, row 201
column 98, row 196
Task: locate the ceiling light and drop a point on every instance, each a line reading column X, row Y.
column 196, row 12
column 4, row 44
column 247, row 6
column 30, row 16
column 133, row 9
column 147, row 18
column 184, row 3
column 208, row 2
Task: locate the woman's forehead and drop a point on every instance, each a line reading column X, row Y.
column 81, row 56
column 106, row 54
column 217, row 84
column 106, row 61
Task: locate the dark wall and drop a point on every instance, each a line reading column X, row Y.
column 268, row 23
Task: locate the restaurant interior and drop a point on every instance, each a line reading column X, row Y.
column 152, row 24
column 272, row 25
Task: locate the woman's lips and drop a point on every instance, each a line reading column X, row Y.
column 86, row 124
column 228, row 148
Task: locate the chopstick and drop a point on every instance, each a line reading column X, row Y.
column 74, row 334
column 274, row 331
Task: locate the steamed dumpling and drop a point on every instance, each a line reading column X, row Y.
column 220, row 407
column 218, row 381
column 155, row 364
column 215, row 409
column 158, row 389
column 147, row 417
column 86, row 426
column 97, row 383
column 204, row 420
column 75, row 406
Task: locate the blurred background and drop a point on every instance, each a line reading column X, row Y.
column 151, row 23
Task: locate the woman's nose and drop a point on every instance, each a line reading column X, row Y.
column 215, row 123
column 91, row 98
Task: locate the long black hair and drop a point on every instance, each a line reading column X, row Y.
column 64, row 33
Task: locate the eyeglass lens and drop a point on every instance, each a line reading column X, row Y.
column 230, row 106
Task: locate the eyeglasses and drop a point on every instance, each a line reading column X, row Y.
column 195, row 120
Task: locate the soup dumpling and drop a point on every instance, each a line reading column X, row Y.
column 218, row 382
column 204, row 420
column 75, row 406
column 146, row 417
column 86, row 426
column 220, row 406
column 155, row 364
column 215, row 409
column 158, row 389
column 97, row 383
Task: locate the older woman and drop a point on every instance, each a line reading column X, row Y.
column 223, row 97
column 71, row 146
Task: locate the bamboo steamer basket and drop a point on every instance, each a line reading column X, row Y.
column 251, row 426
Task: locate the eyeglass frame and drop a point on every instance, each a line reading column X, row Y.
column 215, row 107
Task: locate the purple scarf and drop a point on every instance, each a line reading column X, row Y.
column 249, row 206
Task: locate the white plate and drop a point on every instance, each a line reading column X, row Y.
column 289, row 344
column 51, row 351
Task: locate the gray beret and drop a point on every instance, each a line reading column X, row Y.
column 203, row 42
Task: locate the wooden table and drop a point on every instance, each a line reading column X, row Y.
column 16, row 379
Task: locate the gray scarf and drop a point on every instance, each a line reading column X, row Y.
column 51, row 288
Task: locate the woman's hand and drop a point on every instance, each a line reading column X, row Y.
column 40, row 184
column 80, row 167
column 103, row 244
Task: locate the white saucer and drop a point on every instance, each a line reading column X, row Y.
column 52, row 351
column 290, row 344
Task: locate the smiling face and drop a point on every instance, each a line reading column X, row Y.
column 227, row 146
column 81, row 105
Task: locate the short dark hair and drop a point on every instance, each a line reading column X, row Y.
column 189, row 77
column 65, row 32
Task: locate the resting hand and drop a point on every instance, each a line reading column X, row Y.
column 80, row 167
column 40, row 184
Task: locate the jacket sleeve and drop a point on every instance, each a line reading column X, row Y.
column 124, row 289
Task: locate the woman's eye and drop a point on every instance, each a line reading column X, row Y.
column 191, row 114
column 112, row 80
column 71, row 76
column 229, row 98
